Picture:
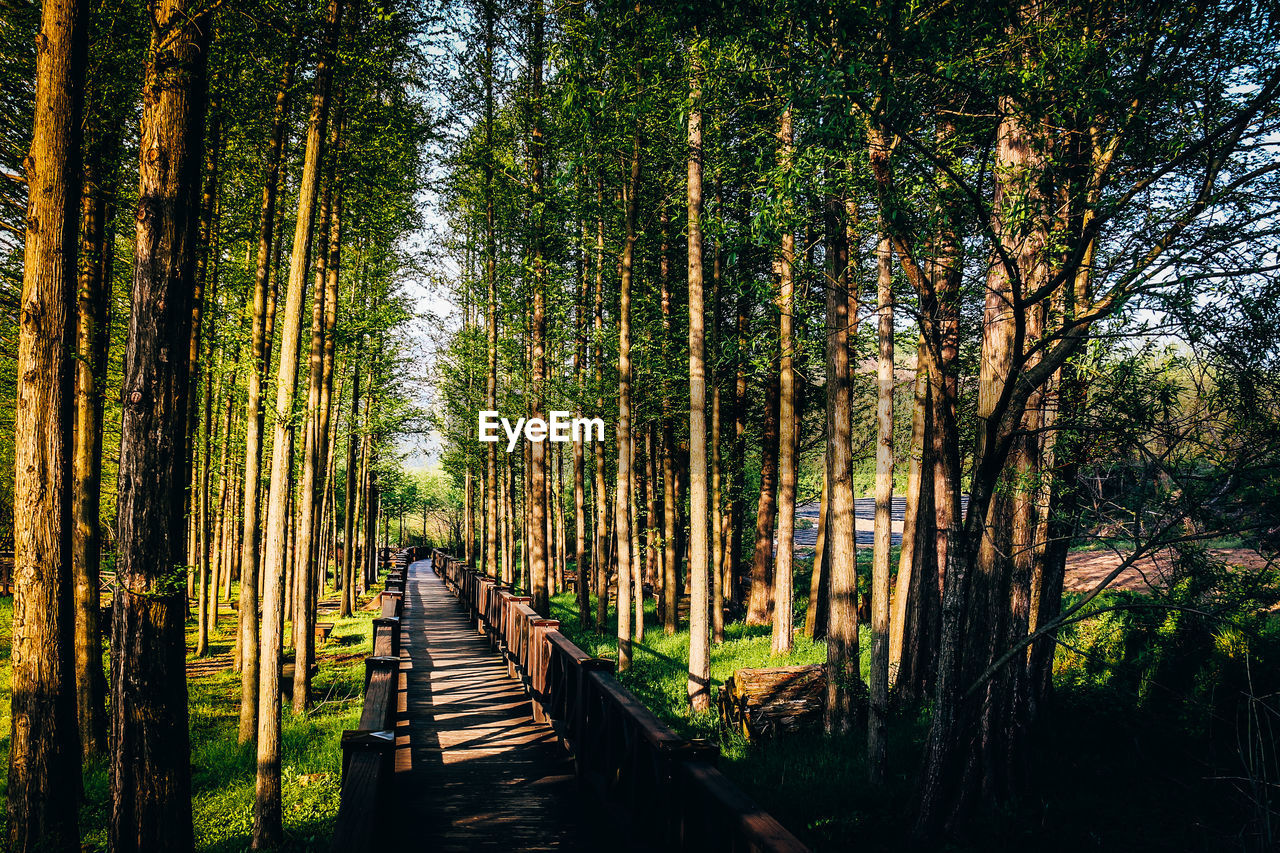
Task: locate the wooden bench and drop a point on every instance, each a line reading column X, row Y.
column 762, row 702
column 323, row 630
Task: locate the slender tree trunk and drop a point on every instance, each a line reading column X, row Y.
column 622, row 502
column 491, row 287
column 351, row 506
column 583, row 585
column 326, row 419
column 815, row 617
column 842, row 600
column 767, row 509
column 670, row 507
column 267, row 827
column 44, row 767
column 600, row 551
column 718, row 520
column 699, row 684
column 304, row 561
column 202, row 364
column 222, row 529
column 787, row 433
column 733, row 563
column 883, row 533
column 93, row 319
column 538, row 551
column 150, row 765
column 260, row 338
column 637, row 574
column 917, row 525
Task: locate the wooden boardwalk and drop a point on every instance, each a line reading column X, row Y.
column 473, row 771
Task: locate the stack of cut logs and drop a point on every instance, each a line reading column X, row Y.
column 762, row 702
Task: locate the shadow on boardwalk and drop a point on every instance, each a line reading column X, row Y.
column 473, row 771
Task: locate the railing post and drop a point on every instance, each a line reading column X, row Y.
column 382, row 741
column 391, row 626
column 535, row 664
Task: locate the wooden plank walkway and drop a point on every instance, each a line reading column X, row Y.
column 473, row 771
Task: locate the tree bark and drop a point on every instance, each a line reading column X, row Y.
column 699, row 684
column 883, row 533
column 150, row 769
column 267, row 827
column 600, row 551
column 538, row 551
column 760, row 597
column 916, row 556
column 842, row 556
column 304, row 562
column 93, row 337
column 788, row 432
column 260, row 336
column 622, row 502
column 44, row 767
column 815, row 617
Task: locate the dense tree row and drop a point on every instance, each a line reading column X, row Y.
column 213, row 425
column 792, row 251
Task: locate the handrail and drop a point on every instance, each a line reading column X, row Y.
column 665, row 785
column 368, row 753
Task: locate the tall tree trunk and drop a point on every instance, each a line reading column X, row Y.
column 260, row 337
column 93, row 319
column 203, row 381
column 718, row 533
column 760, row 596
column 326, row 419
column 150, row 765
column 583, row 586
column 44, row 765
column 699, row 684
column 842, row 599
column 221, row 528
column 491, row 292
column 304, row 561
column 267, row 827
column 600, row 551
column 538, row 551
column 915, row 561
column 883, row 532
column 351, row 506
column 815, row 616
column 733, row 563
column 788, row 425
column 622, row 502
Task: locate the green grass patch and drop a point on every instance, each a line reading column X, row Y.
column 222, row 769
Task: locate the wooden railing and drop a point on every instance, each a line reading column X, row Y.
column 368, row 753
column 664, row 786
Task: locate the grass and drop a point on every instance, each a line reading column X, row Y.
column 222, row 769
column 1136, row 753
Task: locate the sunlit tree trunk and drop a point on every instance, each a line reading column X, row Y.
column 883, row 532
column 44, row 765
column 699, row 683
column 150, row 765
column 842, row 599
column 260, row 336
column 267, row 828
column 93, row 319
column 760, row 595
column 600, row 551
column 622, row 502
column 815, row 617
column 788, row 426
